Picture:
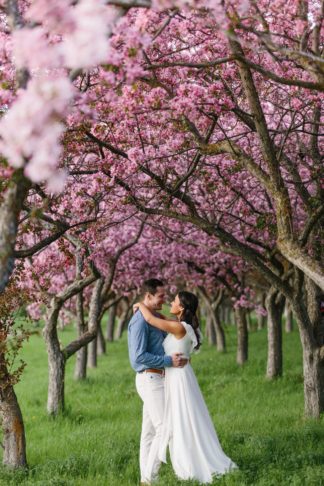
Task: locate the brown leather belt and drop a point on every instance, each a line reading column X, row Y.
column 154, row 370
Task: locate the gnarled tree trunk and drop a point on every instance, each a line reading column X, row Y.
column 14, row 441
column 311, row 328
column 57, row 357
column 56, row 361
column 313, row 369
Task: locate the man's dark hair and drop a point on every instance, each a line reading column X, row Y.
column 150, row 286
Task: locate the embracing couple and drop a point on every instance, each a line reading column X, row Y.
column 174, row 411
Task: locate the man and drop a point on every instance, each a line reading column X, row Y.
column 148, row 359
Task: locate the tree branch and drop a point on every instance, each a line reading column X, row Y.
column 310, row 223
column 195, row 65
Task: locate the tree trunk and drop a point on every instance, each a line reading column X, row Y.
column 123, row 321
column 242, row 335
column 289, row 318
column 55, row 398
column 210, row 328
column 56, row 362
column 274, row 306
column 92, row 354
column 220, row 334
column 111, row 323
column 214, row 328
column 313, row 369
column 311, row 328
column 101, row 343
column 14, row 197
column 57, row 357
column 89, row 336
column 262, row 320
column 80, row 371
column 314, row 355
column 14, row 441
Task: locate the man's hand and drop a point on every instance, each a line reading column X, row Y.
column 178, row 360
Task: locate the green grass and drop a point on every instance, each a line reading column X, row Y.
column 95, row 443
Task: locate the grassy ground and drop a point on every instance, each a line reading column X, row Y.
column 260, row 423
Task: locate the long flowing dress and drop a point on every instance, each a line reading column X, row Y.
column 188, row 430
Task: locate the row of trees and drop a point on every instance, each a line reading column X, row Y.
column 180, row 139
column 65, row 283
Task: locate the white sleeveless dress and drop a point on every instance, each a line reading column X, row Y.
column 188, row 430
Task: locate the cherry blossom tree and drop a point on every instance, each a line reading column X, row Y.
column 226, row 145
column 52, row 276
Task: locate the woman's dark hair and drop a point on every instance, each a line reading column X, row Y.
column 189, row 302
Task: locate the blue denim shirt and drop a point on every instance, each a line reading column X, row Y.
column 145, row 345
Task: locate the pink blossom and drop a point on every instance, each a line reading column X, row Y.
column 87, row 45
column 34, row 310
column 243, row 7
column 36, row 113
column 56, row 16
column 300, row 26
column 27, row 41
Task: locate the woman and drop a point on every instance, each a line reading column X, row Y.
column 195, row 450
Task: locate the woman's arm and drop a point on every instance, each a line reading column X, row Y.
column 174, row 327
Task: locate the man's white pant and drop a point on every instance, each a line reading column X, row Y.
column 150, row 387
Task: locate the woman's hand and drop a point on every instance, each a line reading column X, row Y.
column 136, row 307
